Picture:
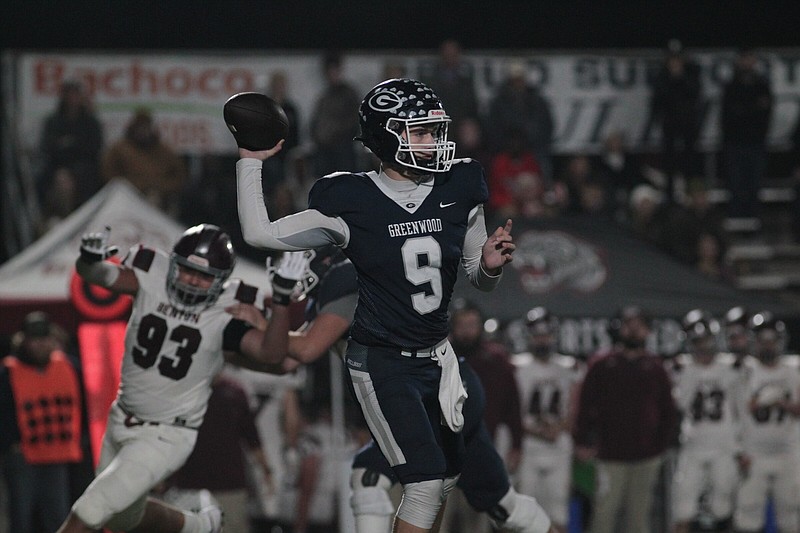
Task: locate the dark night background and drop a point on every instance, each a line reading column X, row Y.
column 305, row 24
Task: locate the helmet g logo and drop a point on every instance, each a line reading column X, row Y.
column 385, row 101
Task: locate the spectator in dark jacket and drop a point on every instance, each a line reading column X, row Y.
column 453, row 80
column 676, row 106
column 626, row 418
column 746, row 110
column 520, row 105
column 72, row 138
column 334, row 121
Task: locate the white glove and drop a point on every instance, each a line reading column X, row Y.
column 95, row 248
column 292, row 269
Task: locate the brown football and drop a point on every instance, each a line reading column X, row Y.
column 256, row 121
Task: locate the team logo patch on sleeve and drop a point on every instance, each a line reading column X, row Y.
column 143, row 259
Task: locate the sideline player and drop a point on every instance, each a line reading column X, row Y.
column 548, row 385
column 771, row 431
column 484, row 480
column 406, row 229
column 706, row 390
column 174, row 344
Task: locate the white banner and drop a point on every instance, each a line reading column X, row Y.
column 591, row 94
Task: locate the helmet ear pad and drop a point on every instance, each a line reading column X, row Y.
column 384, row 146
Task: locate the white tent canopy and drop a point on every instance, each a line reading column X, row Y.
column 43, row 270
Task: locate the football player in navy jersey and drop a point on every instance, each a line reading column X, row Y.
column 178, row 337
column 405, row 229
column 331, row 306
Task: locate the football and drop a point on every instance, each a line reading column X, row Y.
column 256, row 121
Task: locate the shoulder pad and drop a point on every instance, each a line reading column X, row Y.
column 462, row 160
column 143, row 258
column 246, row 293
column 236, row 290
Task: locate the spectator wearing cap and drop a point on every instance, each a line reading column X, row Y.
column 40, row 417
column 150, row 164
column 646, row 214
column 625, row 421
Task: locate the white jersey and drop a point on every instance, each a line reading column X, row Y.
column 707, row 395
column 172, row 356
column 770, row 429
column 545, row 388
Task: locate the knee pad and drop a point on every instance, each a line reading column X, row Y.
column 421, row 503
column 518, row 513
column 370, row 493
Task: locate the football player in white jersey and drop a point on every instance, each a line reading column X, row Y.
column 177, row 334
column 706, row 392
column 771, row 432
column 548, row 384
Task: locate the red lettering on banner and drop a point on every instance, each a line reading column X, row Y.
column 47, row 76
column 178, row 82
column 106, row 84
column 136, row 79
column 238, row 80
column 205, row 80
column 185, row 132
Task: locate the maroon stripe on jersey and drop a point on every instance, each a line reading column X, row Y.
column 246, row 293
column 144, row 259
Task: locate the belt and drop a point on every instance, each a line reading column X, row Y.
column 423, row 352
column 131, row 420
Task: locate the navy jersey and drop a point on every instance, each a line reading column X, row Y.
column 406, row 248
column 339, row 281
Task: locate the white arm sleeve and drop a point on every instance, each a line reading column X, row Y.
column 473, row 249
column 301, row 231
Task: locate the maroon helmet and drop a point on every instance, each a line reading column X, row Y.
column 204, row 248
